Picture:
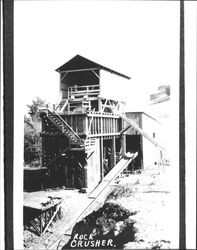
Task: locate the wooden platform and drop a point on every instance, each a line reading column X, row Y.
column 37, row 204
column 40, row 213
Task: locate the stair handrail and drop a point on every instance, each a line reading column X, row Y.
column 64, row 106
column 58, row 100
column 68, row 126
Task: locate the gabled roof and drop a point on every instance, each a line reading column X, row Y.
column 79, row 63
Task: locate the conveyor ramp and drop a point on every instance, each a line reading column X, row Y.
column 94, row 196
column 113, row 174
column 141, row 131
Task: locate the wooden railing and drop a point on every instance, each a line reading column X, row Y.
column 101, row 114
column 103, row 125
column 87, row 91
column 94, row 124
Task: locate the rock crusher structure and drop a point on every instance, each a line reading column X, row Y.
column 83, row 137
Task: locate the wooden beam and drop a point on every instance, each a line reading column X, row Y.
column 45, row 216
column 103, row 106
column 85, row 176
column 113, row 152
column 105, row 115
column 40, row 223
column 63, row 76
column 49, row 223
column 78, row 70
column 101, row 157
column 123, row 145
column 96, row 74
column 104, row 134
column 35, row 227
column 124, row 130
column 99, row 105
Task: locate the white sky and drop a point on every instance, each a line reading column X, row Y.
column 137, row 38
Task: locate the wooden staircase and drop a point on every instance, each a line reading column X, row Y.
column 76, row 143
column 60, row 107
column 63, row 105
column 55, row 158
column 59, row 122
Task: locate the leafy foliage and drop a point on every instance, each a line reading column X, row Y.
column 32, row 129
column 34, row 108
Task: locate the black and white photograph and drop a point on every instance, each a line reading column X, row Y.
column 97, row 111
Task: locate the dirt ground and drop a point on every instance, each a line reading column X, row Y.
column 149, row 195
column 146, row 194
column 70, row 205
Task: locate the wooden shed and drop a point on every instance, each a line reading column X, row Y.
column 147, row 153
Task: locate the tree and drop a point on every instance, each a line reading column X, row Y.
column 34, row 108
column 32, row 129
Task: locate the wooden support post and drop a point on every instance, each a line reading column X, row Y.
column 86, row 125
column 45, row 217
column 101, row 125
column 123, row 145
column 42, row 182
column 98, row 125
column 99, row 105
column 113, row 152
column 71, row 121
column 41, row 224
column 96, row 121
column 52, row 217
column 35, row 227
column 140, row 154
column 101, row 155
column 85, row 176
column 92, row 126
column 59, row 212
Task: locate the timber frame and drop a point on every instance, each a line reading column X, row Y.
column 84, row 135
column 81, row 126
column 41, row 217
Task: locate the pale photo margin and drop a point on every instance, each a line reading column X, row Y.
column 189, row 156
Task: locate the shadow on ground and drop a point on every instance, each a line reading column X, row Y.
column 109, row 227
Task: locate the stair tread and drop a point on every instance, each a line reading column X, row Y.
column 65, row 130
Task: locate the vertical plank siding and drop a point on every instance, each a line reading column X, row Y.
column 103, row 128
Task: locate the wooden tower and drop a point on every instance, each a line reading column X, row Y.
column 82, row 137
